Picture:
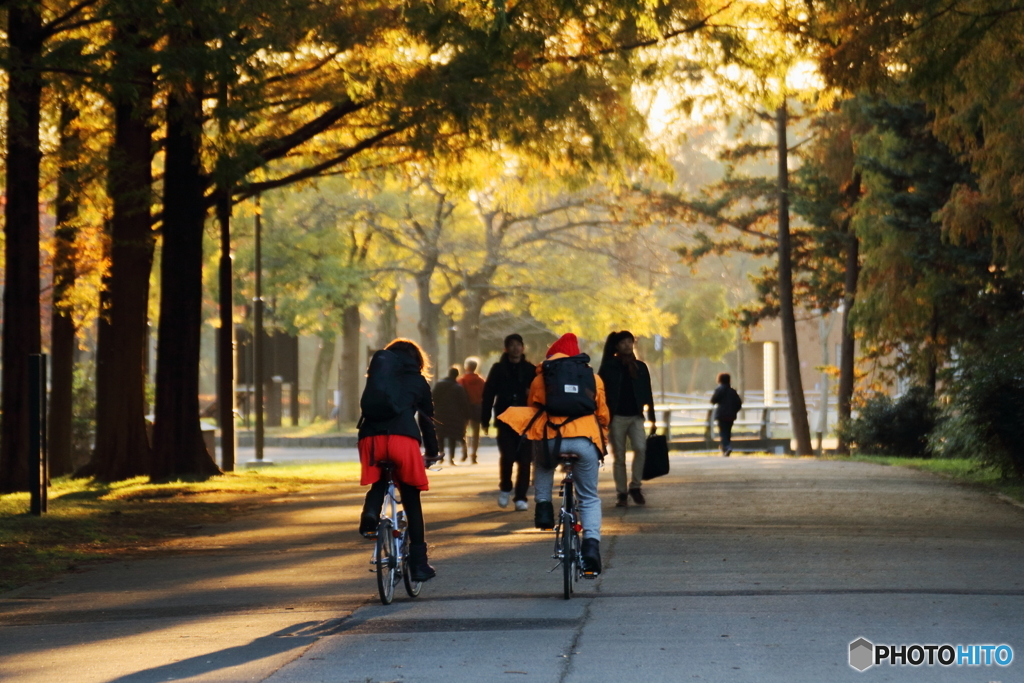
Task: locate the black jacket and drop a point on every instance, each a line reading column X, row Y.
column 728, row 402
column 418, row 406
column 451, row 408
column 507, row 385
column 613, row 373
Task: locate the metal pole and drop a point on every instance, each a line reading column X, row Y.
column 38, row 466
column 226, row 339
column 257, row 337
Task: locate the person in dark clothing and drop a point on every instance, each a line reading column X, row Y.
column 507, row 385
column 451, row 413
column 729, row 404
column 627, row 384
column 397, row 438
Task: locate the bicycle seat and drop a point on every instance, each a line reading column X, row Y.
column 568, row 456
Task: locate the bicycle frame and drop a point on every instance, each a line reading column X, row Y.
column 567, row 533
column 392, row 542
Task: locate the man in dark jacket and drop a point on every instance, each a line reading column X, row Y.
column 451, row 413
column 729, row 404
column 627, row 386
column 507, row 385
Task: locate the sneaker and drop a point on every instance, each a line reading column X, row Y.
column 503, row 498
column 621, row 501
column 590, row 550
column 638, row 496
column 419, row 569
column 368, row 525
column 522, row 506
column 728, row 452
column 544, row 515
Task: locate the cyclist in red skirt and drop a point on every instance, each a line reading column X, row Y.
column 397, row 417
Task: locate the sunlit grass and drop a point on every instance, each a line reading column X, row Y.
column 308, row 429
column 961, row 470
column 89, row 520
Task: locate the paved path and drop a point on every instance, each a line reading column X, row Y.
column 741, row 569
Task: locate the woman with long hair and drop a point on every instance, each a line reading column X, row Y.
column 397, row 417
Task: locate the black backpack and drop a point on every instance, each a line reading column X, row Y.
column 382, row 397
column 570, row 386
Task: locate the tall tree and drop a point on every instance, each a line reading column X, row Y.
column 178, row 446
column 122, row 446
column 25, row 34
column 62, row 335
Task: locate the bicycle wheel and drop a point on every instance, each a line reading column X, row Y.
column 386, row 562
column 569, row 556
column 411, row 587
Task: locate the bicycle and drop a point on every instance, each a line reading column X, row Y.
column 391, row 552
column 567, row 530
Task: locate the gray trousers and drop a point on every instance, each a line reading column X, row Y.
column 633, row 427
column 585, row 478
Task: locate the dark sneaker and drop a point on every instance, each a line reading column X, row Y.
column 368, row 525
column 544, row 515
column 418, row 566
column 622, row 501
column 638, row 496
column 591, row 552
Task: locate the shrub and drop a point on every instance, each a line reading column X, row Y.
column 887, row 427
column 985, row 415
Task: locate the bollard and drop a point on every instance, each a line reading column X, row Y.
column 38, row 465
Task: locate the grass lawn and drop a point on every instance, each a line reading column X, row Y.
column 305, row 429
column 89, row 521
column 963, row 471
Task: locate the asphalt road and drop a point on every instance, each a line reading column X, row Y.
column 757, row 569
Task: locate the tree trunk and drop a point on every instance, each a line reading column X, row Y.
column 226, row 338
column 122, row 448
column 350, row 368
column 847, row 361
column 932, row 377
column 21, row 335
column 62, row 344
column 178, row 447
column 790, row 351
column 469, row 326
column 430, row 319
column 692, row 388
column 387, row 319
column 324, row 360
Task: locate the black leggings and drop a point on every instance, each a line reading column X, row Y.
column 410, row 503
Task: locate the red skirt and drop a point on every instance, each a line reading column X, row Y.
column 402, row 450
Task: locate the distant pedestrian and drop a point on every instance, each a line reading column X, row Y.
column 728, row 404
column 451, row 413
column 473, row 383
column 627, row 384
column 396, row 398
column 507, row 385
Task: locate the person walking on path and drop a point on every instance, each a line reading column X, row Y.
column 728, row 404
column 451, row 413
column 473, row 383
column 397, row 415
column 583, row 434
column 628, row 384
column 507, row 385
